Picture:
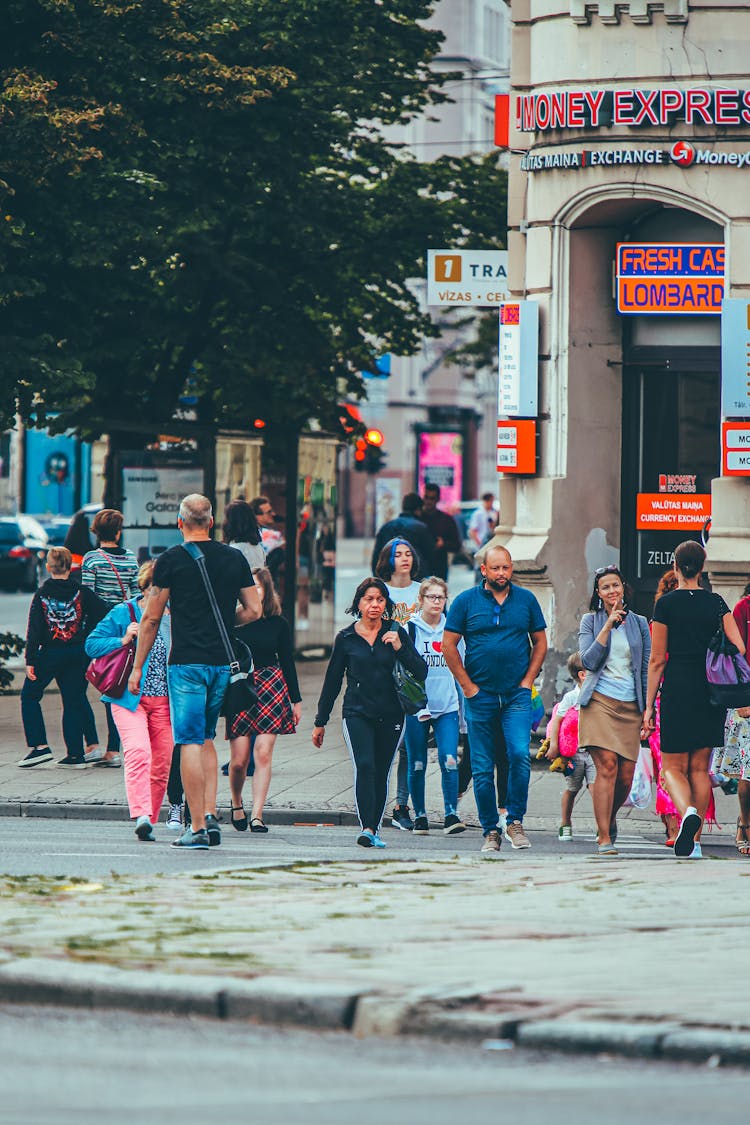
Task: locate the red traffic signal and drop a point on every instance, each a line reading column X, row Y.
column 374, row 437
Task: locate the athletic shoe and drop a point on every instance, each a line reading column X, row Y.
column 144, row 829
column 69, row 763
column 377, row 842
column 453, row 824
column 565, row 834
column 685, row 838
column 92, row 756
column 492, row 843
column 421, row 826
column 606, row 849
column 697, row 852
column 213, row 831
column 401, row 819
column 516, row 836
column 35, row 757
column 501, row 821
column 190, row 839
column 174, row 818
column 366, row 839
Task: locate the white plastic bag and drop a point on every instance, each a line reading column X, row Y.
column 640, row 791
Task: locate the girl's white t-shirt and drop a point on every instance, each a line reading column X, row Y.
column 405, row 599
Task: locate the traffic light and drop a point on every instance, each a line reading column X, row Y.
column 369, row 456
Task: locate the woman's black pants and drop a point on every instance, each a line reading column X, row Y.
column 372, row 744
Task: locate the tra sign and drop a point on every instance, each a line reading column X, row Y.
column 654, row 278
column 467, row 277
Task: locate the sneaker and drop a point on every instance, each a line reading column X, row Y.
column 565, row 834
column 401, row 819
column 501, row 821
column 212, row 830
column 144, row 829
column 174, row 818
column 190, row 839
column 606, row 849
column 453, row 824
column 377, row 842
column 69, row 763
column 366, row 839
column 697, row 852
column 516, row 836
column 492, row 843
column 113, row 763
column 36, row 756
column 421, row 826
column 95, row 755
column 685, row 838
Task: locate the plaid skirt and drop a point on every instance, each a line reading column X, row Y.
column 274, row 712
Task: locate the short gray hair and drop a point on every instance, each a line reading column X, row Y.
column 196, row 511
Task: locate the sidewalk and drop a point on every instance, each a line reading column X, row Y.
column 307, row 784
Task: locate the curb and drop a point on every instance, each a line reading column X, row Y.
column 321, row 1005
column 72, row 810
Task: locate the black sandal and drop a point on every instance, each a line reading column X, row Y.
column 257, row 825
column 241, row 824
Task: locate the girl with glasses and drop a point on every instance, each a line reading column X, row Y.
column 442, row 711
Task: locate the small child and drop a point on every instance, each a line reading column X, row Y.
column 580, row 766
column 61, row 616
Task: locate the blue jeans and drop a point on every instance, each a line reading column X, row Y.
column 487, row 714
column 446, row 736
column 196, row 693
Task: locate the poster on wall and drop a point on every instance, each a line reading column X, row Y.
column 441, row 462
column 151, row 502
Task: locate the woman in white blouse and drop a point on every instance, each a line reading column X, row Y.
column 615, row 645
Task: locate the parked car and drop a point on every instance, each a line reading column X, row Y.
column 23, row 549
column 56, row 527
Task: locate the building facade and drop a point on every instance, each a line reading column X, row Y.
column 629, row 129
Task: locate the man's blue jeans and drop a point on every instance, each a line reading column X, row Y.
column 446, row 736
column 486, row 714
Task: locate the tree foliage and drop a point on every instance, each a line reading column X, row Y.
column 199, row 193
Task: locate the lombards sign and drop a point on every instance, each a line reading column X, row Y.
column 632, row 107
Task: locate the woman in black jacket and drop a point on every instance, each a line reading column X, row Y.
column 373, row 719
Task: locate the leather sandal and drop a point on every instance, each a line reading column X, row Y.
column 740, row 838
column 241, row 824
column 257, row 825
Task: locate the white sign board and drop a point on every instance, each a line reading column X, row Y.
column 735, row 357
column 519, row 360
column 151, row 497
column 467, row 277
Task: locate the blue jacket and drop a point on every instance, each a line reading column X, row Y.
column 594, row 655
column 107, row 636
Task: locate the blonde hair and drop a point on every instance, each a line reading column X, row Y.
column 59, row 560
column 146, row 573
column 427, row 582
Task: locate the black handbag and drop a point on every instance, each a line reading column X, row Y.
column 240, row 694
column 410, row 690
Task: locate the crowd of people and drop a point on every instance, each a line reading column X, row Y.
column 185, row 619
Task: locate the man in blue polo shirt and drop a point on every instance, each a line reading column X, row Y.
column 504, row 630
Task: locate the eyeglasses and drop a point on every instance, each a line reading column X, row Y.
column 434, row 597
column 611, row 569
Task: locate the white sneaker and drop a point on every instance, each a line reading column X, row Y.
column 174, row 818
column 697, row 852
column 92, row 756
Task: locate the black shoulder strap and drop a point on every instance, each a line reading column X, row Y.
column 195, row 553
column 411, row 630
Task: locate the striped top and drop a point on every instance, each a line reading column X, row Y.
column 98, row 574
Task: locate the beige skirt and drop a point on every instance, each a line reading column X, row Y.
column 610, row 724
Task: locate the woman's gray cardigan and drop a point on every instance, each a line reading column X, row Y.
column 594, row 655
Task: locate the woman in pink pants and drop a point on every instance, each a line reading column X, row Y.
column 142, row 720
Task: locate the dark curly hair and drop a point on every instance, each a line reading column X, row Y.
column 361, row 590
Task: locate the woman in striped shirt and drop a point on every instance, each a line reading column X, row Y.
column 111, row 571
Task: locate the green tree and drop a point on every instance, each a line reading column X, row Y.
column 198, row 192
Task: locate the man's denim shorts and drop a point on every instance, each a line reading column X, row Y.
column 196, row 692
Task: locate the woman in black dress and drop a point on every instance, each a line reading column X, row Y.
column 279, row 704
column 684, row 622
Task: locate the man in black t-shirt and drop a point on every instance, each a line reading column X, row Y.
column 198, row 670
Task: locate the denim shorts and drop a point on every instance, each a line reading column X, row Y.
column 196, row 693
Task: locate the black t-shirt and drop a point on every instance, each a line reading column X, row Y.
column 691, row 617
column 195, row 636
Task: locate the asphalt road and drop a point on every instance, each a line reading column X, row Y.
column 72, row 1067
column 90, row 849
